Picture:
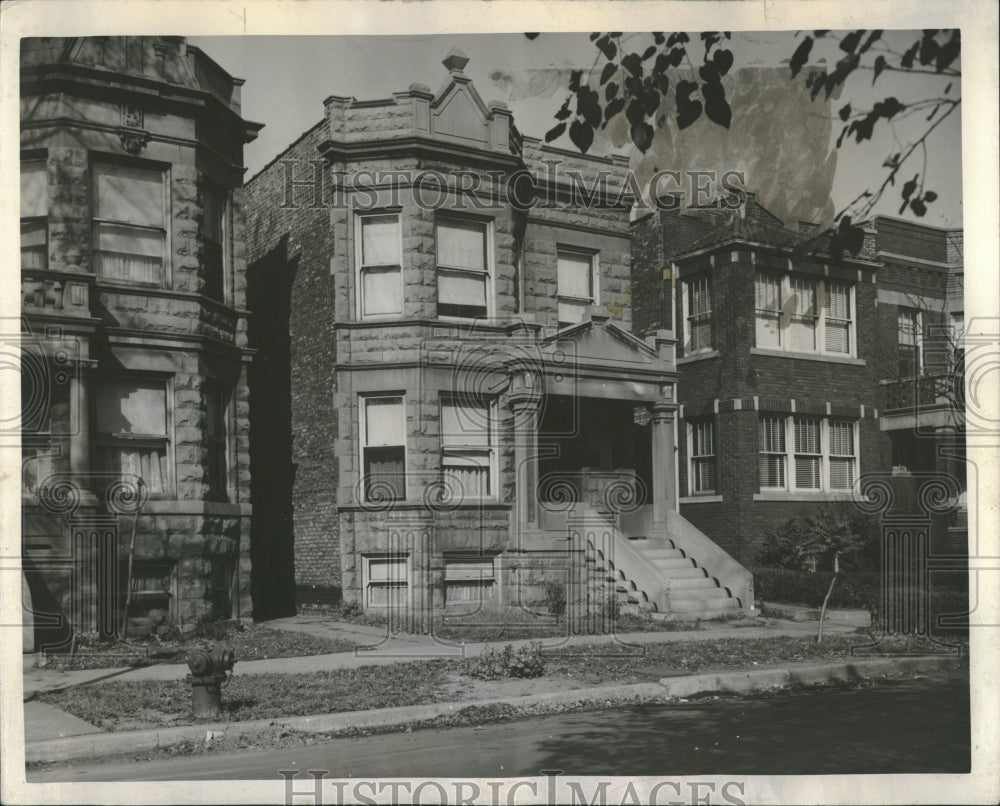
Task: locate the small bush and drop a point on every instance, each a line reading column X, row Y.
column 555, row 597
column 495, row 664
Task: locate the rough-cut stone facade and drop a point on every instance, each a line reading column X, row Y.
column 304, row 242
column 733, row 384
column 154, row 105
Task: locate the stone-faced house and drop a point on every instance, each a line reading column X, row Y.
column 134, row 390
column 470, row 417
column 794, row 367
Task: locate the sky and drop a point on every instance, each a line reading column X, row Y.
column 287, row 79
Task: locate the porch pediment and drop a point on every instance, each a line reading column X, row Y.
column 598, row 349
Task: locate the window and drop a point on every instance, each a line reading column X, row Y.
column 910, row 343
column 467, row 448
column 153, row 594
column 771, row 464
column 129, row 223
column 383, row 437
column 387, row 581
column 699, row 314
column 802, row 315
column 216, row 434
column 220, row 592
column 469, row 580
column 577, row 283
column 701, row 438
column 213, row 232
column 381, row 291
column 34, row 212
column 132, row 430
column 824, row 453
column 463, row 268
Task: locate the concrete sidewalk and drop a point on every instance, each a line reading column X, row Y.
column 70, row 747
column 377, row 646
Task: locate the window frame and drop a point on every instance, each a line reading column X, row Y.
column 220, row 443
column 360, row 266
column 96, row 222
column 821, row 294
column 367, row 583
column 38, row 222
column 102, row 440
column 791, row 454
column 694, row 459
column 225, row 228
column 687, row 302
column 492, row 412
column 363, row 399
column 781, row 453
column 918, row 340
column 485, row 583
column 593, row 257
column 489, row 265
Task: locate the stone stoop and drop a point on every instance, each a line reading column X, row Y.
column 688, row 592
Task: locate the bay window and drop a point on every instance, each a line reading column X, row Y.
column 823, row 454
column 132, row 432
column 383, row 440
column 130, row 219
column 576, row 284
column 800, row 314
column 34, row 214
column 462, row 268
column 380, row 265
column 467, row 450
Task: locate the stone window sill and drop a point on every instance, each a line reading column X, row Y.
column 832, row 359
column 779, row 495
column 701, row 499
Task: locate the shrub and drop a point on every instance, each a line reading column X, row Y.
column 555, row 597
column 495, row 664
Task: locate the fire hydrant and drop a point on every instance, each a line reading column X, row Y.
column 208, row 672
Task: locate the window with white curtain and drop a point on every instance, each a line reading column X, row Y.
column 130, row 219
column 383, row 440
column 576, row 284
column 34, row 214
column 463, row 268
column 132, row 430
column 823, row 453
column 701, row 438
column 699, row 314
column 800, row 314
column 380, row 265
column 467, row 450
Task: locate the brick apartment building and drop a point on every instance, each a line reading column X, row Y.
column 798, row 372
column 134, row 354
column 456, row 411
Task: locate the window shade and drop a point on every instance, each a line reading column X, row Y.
column 380, row 241
column 456, row 288
column 34, row 189
column 461, row 245
column 381, row 291
column 385, row 423
column 575, row 275
column 128, row 407
column 128, row 194
column 464, row 425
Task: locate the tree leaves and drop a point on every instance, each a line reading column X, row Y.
column 688, row 109
column 879, row 67
column 716, row 105
column 609, row 70
column 801, row 55
column 555, row 132
column 582, row 135
column 642, row 136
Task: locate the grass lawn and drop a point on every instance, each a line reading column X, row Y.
column 135, row 705
column 248, row 642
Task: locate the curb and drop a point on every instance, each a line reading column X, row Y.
column 97, row 745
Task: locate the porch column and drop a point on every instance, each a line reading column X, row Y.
column 524, row 400
column 662, row 423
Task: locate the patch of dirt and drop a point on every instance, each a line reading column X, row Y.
column 459, row 687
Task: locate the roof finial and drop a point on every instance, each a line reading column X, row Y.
column 455, row 61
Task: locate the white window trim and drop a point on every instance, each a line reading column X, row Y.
column 366, row 577
column 167, row 182
column 692, row 492
column 790, row 454
column 493, row 412
column 363, row 399
column 490, row 271
column 359, row 265
column 686, row 316
column 595, row 275
column 785, row 318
